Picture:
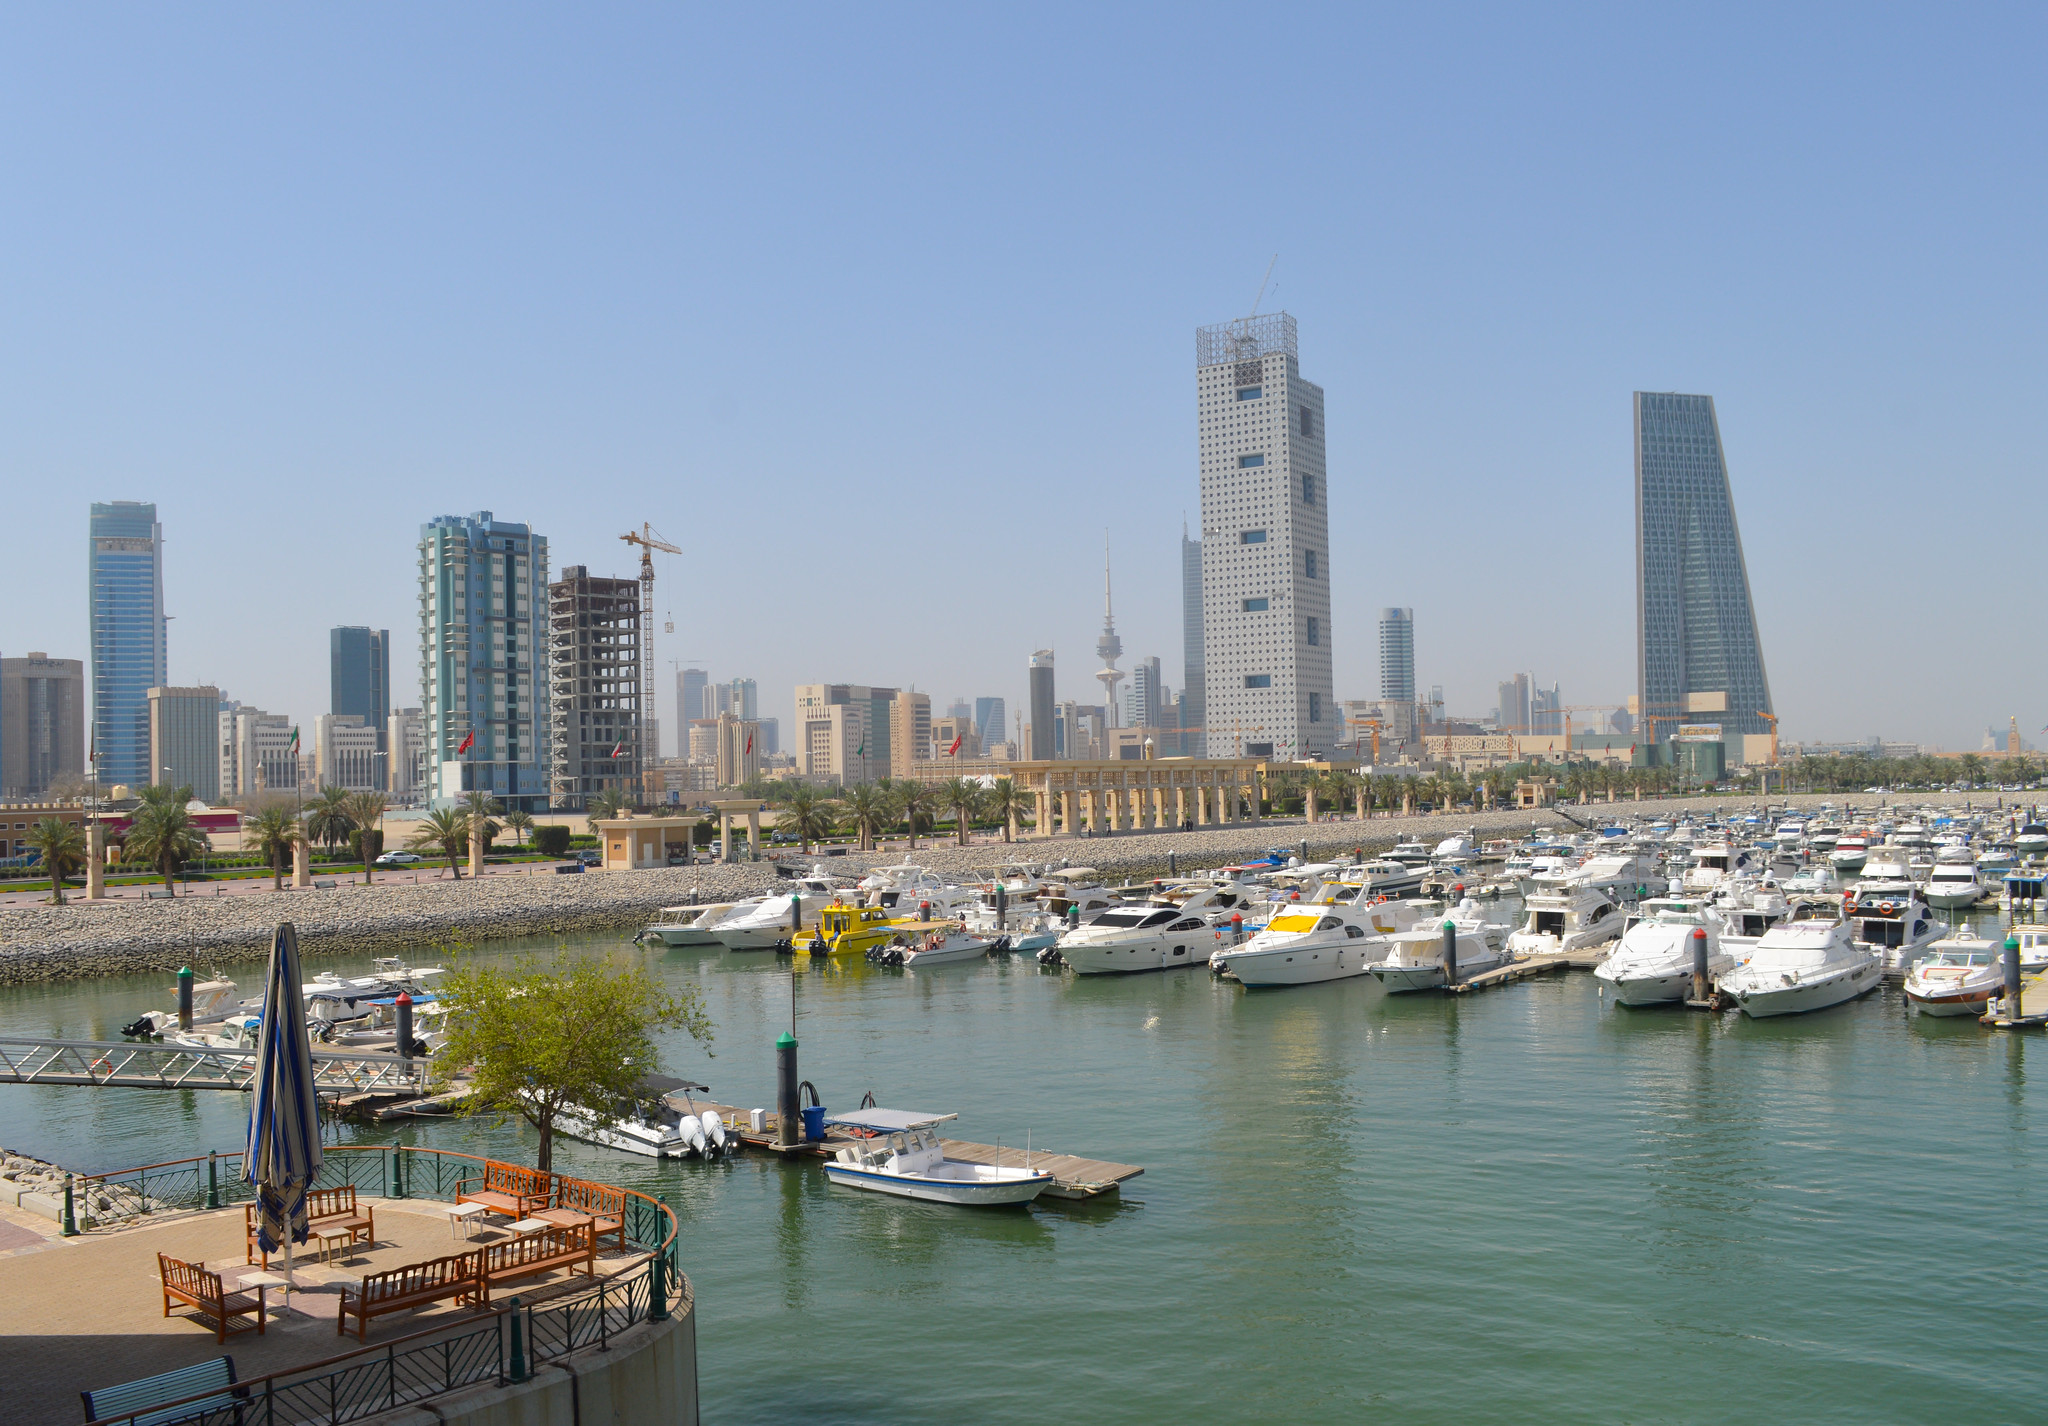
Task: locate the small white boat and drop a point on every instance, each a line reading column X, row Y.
column 1817, row 880
column 1565, row 921
column 1653, row 965
column 1747, row 908
column 211, row 1000
column 1957, row 976
column 1951, row 886
column 1315, row 943
column 2031, row 840
column 905, row 1158
column 929, row 943
column 651, row 1123
column 2033, row 947
column 1850, row 854
column 764, row 924
column 1710, row 863
column 1456, row 848
column 1803, row 965
column 682, row 926
column 1415, row 960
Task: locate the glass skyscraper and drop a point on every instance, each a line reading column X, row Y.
column 359, row 675
column 126, row 588
column 1397, row 655
column 1696, row 625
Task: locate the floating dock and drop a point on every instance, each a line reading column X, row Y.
column 1072, row 1177
column 1532, row 966
column 2033, row 1007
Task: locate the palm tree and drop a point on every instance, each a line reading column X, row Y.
column 327, row 819
column 483, row 809
column 445, row 829
column 61, row 845
column 917, row 802
column 807, row 814
column 1004, row 803
column 963, row 797
column 608, row 803
column 162, row 835
column 865, row 808
column 366, row 811
column 521, row 823
column 273, row 831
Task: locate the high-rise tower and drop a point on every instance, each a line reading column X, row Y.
column 1397, row 655
column 359, row 676
column 1040, row 693
column 1265, row 544
column 1192, row 687
column 1109, row 648
column 126, row 584
column 1698, row 657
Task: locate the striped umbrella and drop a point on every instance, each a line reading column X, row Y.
column 283, row 1155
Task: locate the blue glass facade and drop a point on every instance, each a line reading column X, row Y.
column 125, row 579
column 1696, row 625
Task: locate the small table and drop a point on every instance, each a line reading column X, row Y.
column 462, row 1217
column 527, row 1227
column 260, row 1280
column 344, row 1237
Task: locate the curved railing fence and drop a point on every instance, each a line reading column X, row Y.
column 500, row 1348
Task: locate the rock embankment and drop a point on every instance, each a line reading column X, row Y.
column 128, row 936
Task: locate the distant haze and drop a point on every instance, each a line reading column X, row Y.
column 886, row 323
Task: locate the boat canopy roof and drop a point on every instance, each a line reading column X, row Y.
column 655, row 1085
column 888, row 1121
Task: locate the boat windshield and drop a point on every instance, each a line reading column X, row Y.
column 1132, row 918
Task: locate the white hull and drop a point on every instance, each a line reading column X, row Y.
column 1844, row 985
column 1401, row 979
column 1968, row 1002
column 1848, row 861
column 680, row 937
column 756, row 938
column 1653, row 989
column 1299, row 965
column 1952, row 899
column 1001, row 1186
column 1183, row 950
column 1522, row 944
column 633, row 1139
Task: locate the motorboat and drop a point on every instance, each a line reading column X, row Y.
column 902, row 1156
column 774, row 919
column 371, row 1023
column 1850, row 853
column 651, row 1123
column 1415, row 959
column 843, row 930
column 1458, row 847
column 2033, row 947
column 1748, row 907
column 1817, row 880
column 1957, row 976
column 683, row 926
column 1998, row 858
column 1411, row 852
column 1951, row 886
column 1823, row 839
column 1789, row 835
column 924, row 943
column 211, row 1000
column 1382, row 877
column 1891, row 919
column 2031, row 840
column 1887, row 863
column 388, row 976
column 1315, row 943
column 1135, row 938
column 1557, row 922
column 1619, row 874
column 1803, row 965
column 1655, row 962
column 1710, row 862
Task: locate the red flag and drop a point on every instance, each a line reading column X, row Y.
column 954, row 751
column 750, row 746
column 619, row 750
column 467, row 743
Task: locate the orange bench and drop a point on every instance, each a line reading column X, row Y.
column 580, row 1201
column 193, row 1285
column 508, row 1189
column 329, row 1211
column 535, row 1254
column 414, row 1285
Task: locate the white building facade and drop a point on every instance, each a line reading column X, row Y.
column 405, row 737
column 345, row 753
column 1265, row 545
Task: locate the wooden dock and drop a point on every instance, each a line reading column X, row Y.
column 1532, row 966
column 1072, row 1177
column 2033, row 1007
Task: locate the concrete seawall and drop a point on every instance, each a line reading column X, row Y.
column 125, row 937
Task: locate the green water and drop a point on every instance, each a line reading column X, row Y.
column 1520, row 1205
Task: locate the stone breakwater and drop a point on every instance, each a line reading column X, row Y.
column 126, row 937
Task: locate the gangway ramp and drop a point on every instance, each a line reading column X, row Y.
column 148, row 1064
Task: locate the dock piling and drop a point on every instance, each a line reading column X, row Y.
column 185, row 998
column 1699, row 963
column 1002, row 906
column 1450, row 953
column 786, row 1115
column 2012, row 978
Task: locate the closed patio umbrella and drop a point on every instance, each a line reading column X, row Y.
column 283, row 1154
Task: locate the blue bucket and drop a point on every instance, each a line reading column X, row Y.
column 814, row 1122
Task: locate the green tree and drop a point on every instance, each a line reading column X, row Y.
column 805, row 813
column 446, row 830
column 62, row 847
column 863, row 809
column 483, row 809
column 162, row 835
column 608, row 803
column 273, row 830
column 366, row 813
column 963, row 796
column 327, row 819
column 521, row 823
column 571, row 1033
column 917, row 804
column 1005, row 803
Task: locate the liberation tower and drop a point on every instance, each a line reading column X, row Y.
column 1109, row 648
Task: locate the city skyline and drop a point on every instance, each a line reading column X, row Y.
column 1863, row 351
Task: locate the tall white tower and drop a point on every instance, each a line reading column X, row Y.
column 1265, row 544
column 1109, row 648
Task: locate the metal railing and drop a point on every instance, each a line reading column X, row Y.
column 502, row 1350
column 134, row 1064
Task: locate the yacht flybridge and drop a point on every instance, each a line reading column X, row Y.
column 1315, row 942
column 901, row 1155
column 1564, row 921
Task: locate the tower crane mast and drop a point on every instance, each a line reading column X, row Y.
column 648, row 542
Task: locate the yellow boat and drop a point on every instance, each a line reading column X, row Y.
column 849, row 931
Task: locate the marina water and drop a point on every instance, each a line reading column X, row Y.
column 1523, row 1204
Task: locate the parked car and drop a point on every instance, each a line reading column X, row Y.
column 589, row 856
column 400, row 859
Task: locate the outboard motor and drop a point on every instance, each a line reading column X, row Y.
column 714, row 1129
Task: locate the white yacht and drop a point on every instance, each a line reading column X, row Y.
column 1951, row 886
column 1415, row 959
column 927, row 943
column 905, row 1158
column 2031, row 840
column 1998, row 858
column 1135, row 938
column 1789, row 835
column 1315, row 943
column 1886, row 863
column 1747, row 908
column 1850, row 853
column 1823, row 839
column 1390, row 879
column 1817, row 880
column 1803, row 965
column 2033, row 947
column 682, row 926
column 1653, row 965
column 1957, row 976
column 1892, row 920
column 1564, row 921
column 1411, row 853
column 1458, row 847
column 650, row 1124
column 1712, row 861
column 1620, row 874
column 764, row 923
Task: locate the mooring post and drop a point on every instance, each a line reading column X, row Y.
column 657, row 1278
column 185, row 999
column 1450, row 953
column 1237, row 928
column 518, row 1345
column 213, row 1178
column 70, row 1228
column 1173, row 864
column 2012, row 978
column 796, row 917
column 786, row 1114
column 1002, row 906
column 403, row 1005
column 1699, row 963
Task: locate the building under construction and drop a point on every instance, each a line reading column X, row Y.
column 595, row 728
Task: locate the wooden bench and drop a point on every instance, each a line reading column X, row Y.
column 537, row 1253
column 132, row 1403
column 192, row 1284
column 601, row 1205
column 508, row 1189
column 415, row 1285
column 328, row 1211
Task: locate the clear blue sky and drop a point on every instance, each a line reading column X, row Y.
column 885, row 314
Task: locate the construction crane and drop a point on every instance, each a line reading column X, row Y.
column 648, row 542
column 1772, row 719
column 1374, row 724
